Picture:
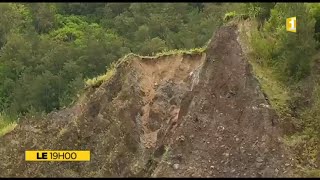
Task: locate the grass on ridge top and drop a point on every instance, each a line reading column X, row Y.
column 6, row 124
column 181, row 51
column 97, row 81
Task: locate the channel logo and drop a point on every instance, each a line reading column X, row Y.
column 291, row 24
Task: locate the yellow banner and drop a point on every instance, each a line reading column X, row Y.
column 57, row 155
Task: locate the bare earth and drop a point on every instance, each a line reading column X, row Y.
column 200, row 115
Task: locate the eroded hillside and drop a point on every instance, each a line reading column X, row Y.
column 183, row 115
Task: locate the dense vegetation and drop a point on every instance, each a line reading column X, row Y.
column 48, row 52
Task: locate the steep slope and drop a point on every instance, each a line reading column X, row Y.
column 174, row 116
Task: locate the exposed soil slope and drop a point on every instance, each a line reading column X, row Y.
column 173, row 116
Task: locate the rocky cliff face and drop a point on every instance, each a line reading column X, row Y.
column 183, row 115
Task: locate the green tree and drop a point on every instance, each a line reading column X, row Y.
column 79, row 8
column 44, row 19
column 14, row 17
column 152, row 46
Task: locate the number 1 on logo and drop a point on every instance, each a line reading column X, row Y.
column 291, row 24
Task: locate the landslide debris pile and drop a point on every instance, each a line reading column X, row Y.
column 183, row 115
